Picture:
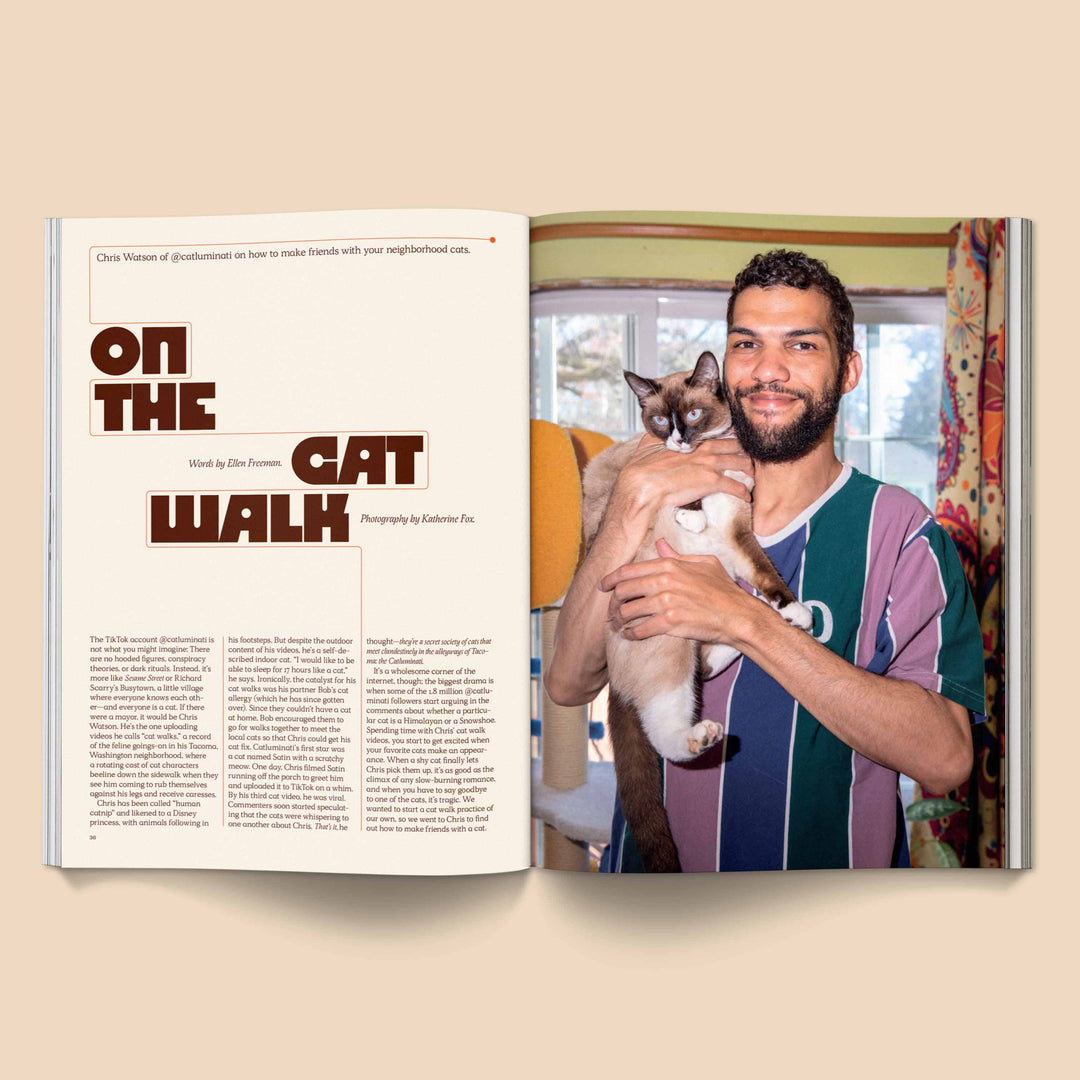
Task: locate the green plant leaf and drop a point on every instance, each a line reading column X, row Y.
column 934, row 854
column 931, row 809
column 945, row 855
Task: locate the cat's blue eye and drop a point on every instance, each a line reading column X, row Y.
column 693, row 415
column 660, row 421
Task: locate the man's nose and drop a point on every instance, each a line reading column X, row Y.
column 771, row 364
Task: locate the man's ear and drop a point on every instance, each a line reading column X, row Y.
column 852, row 373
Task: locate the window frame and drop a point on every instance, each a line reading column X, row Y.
column 650, row 303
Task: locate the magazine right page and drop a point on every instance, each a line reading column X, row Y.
column 769, row 618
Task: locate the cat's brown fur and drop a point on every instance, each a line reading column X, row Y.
column 654, row 701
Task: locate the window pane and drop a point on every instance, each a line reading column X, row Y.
column 590, row 353
column 912, row 465
column 679, row 342
column 536, row 368
column 909, row 368
column 860, row 339
column 854, row 453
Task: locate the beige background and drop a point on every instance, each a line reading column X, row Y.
column 843, row 108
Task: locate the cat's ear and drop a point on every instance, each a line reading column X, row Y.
column 706, row 373
column 643, row 388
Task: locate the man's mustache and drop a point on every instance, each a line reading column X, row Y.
column 772, row 388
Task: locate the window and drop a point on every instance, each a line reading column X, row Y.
column 888, row 425
column 583, row 339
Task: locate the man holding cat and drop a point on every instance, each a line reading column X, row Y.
column 817, row 725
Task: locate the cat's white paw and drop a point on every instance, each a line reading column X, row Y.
column 691, row 520
column 746, row 481
column 797, row 614
column 703, row 735
column 717, row 658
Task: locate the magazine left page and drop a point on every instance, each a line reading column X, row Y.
column 287, row 517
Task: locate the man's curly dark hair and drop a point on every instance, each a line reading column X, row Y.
column 797, row 270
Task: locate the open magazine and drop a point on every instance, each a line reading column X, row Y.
column 297, row 616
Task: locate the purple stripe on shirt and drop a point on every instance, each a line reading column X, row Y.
column 873, row 814
column 896, row 520
column 918, row 600
column 890, row 526
column 693, row 789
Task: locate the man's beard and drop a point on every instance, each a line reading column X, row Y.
column 774, row 444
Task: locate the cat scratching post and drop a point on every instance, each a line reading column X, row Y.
column 561, row 853
column 565, row 729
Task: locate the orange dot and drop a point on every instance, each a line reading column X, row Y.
column 966, row 483
column 492, row 239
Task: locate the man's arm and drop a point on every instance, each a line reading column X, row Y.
column 578, row 668
column 891, row 721
column 652, row 479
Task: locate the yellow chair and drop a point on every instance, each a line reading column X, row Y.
column 559, row 457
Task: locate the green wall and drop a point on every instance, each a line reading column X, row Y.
column 707, row 260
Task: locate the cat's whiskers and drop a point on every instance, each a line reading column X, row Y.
column 658, row 448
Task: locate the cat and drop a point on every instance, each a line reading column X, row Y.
column 653, row 700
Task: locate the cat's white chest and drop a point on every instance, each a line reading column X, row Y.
column 708, row 531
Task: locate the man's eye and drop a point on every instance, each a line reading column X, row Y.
column 802, row 345
column 743, row 345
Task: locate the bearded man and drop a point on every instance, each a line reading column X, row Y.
column 816, row 725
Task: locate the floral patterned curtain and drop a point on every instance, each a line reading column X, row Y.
column 971, row 507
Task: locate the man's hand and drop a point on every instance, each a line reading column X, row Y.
column 654, row 477
column 689, row 596
column 891, row 721
column 657, row 477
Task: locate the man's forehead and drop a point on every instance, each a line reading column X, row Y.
column 781, row 307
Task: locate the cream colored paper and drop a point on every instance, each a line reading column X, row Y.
column 340, row 323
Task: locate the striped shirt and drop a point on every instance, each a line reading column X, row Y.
column 780, row 791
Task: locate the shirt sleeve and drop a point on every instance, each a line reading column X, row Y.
column 929, row 633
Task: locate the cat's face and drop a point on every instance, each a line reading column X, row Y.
column 685, row 408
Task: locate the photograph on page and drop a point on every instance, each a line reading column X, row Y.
column 769, row 564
